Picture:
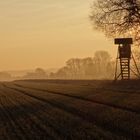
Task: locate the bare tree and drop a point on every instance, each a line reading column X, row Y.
column 74, row 65
column 39, row 73
column 117, row 17
column 102, row 60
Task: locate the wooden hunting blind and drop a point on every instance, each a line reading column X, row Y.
column 124, row 55
column 124, row 47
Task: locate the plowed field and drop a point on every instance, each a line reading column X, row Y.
column 69, row 110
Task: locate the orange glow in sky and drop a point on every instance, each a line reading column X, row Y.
column 45, row 33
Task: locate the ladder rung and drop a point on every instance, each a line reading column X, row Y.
column 124, row 67
column 125, row 70
column 125, row 73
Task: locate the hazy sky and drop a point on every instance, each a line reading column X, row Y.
column 45, row 33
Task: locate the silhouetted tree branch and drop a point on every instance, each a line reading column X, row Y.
column 115, row 17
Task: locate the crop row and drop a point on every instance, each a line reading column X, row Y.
column 30, row 118
column 115, row 120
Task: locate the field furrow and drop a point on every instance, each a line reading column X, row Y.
column 117, row 122
column 77, row 123
column 69, row 110
column 126, row 101
column 98, row 99
column 67, row 133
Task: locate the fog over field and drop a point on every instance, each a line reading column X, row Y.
column 69, row 70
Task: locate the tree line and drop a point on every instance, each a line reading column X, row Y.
column 100, row 66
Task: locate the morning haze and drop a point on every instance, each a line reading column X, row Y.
column 59, row 76
column 46, row 33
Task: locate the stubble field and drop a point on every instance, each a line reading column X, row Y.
column 69, row 110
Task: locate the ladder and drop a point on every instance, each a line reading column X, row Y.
column 125, row 68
